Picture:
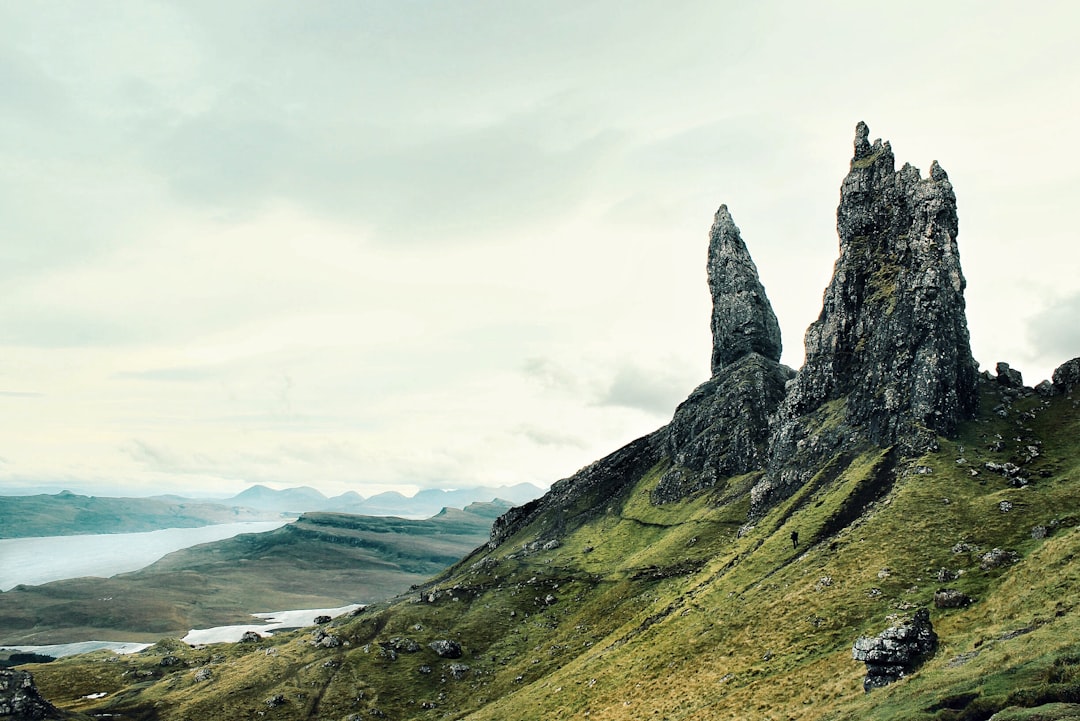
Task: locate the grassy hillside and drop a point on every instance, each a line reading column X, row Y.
column 321, row 560
column 685, row 611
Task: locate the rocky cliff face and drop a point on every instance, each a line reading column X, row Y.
column 722, row 429
column 888, row 361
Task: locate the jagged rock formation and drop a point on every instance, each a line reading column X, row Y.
column 584, row 495
column 1067, row 376
column 888, row 361
column 743, row 321
column 722, row 429
column 19, row 698
column 896, row 651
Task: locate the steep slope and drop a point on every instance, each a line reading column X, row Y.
column 917, row 486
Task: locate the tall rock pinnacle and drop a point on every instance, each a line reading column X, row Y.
column 742, row 318
column 722, row 429
column 890, row 352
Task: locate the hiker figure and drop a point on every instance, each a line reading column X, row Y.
column 794, row 539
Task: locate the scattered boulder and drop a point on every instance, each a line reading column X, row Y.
column 996, row 558
column 322, row 619
column 951, row 598
column 203, row 674
column 896, row 651
column 446, row 648
column 275, row 700
column 19, row 697
column 459, row 670
column 401, row 644
column 250, row 637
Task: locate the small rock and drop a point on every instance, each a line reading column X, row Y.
column 459, row 670
column 951, row 598
column 250, row 637
column 944, row 575
column 996, row 557
column 1039, row 532
column 322, row 619
column 1005, row 506
column 446, row 648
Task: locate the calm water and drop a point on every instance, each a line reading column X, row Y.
column 52, row 558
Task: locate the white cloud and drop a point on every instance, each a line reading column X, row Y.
column 349, row 244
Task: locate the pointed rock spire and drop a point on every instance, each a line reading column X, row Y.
column 722, row 429
column 889, row 355
column 742, row 319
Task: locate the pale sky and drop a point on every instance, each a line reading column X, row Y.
column 394, row 245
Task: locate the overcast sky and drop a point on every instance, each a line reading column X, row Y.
column 394, row 245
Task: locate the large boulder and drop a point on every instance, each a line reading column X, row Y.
column 896, row 651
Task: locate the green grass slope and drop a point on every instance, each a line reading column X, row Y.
column 322, row 560
column 685, row 611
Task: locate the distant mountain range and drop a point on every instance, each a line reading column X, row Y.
column 391, row 503
column 66, row 513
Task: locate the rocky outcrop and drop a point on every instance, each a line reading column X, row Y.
column 584, row 495
column 889, row 356
column 1067, row 376
column 743, row 321
column 896, row 651
column 19, row 698
column 722, row 429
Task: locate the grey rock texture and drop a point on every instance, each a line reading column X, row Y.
column 1008, row 377
column 446, row 648
column 722, row 429
column 743, row 321
column 896, row 651
column 584, row 495
column 1067, row 376
column 19, row 697
column 889, row 356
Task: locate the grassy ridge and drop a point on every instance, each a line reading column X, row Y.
column 684, row 611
